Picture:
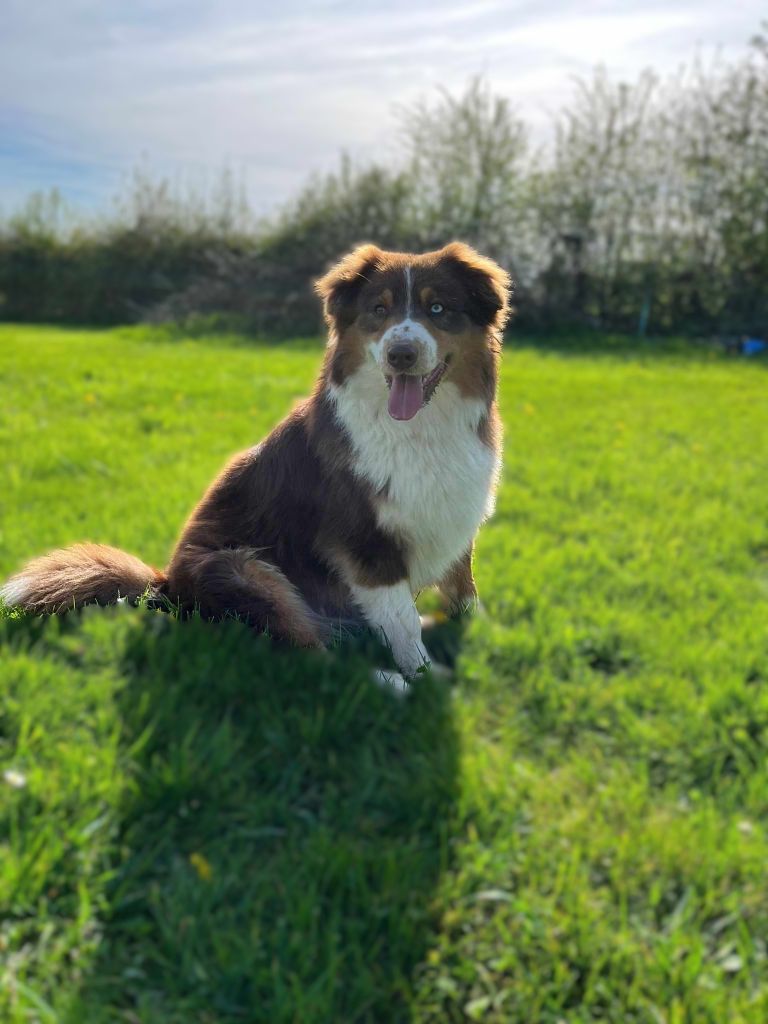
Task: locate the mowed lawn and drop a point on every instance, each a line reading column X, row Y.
column 198, row 827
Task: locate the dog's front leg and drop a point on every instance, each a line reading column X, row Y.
column 391, row 613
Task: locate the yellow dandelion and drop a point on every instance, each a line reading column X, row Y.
column 201, row 866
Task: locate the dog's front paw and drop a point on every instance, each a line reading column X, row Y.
column 413, row 660
column 391, row 681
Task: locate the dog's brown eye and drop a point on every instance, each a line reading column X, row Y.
column 436, row 308
column 380, row 310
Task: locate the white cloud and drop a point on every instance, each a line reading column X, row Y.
column 278, row 90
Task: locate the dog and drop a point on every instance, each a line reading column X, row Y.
column 369, row 491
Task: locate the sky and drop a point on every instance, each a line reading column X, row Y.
column 90, row 89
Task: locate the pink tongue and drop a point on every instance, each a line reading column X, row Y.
column 406, row 396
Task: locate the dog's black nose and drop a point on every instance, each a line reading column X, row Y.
column 402, row 356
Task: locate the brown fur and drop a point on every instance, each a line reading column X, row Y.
column 458, row 585
column 74, row 576
column 476, row 289
column 285, row 525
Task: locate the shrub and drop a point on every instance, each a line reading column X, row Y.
column 648, row 212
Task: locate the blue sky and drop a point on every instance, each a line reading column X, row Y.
column 91, row 88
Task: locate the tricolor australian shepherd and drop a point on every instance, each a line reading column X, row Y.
column 370, row 490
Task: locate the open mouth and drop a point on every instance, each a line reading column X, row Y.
column 409, row 392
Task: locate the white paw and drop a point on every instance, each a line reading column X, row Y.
column 413, row 660
column 391, row 681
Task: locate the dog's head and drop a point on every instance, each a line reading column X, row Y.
column 419, row 319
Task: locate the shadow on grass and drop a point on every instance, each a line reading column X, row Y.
column 284, row 831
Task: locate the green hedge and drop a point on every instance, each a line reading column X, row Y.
column 649, row 212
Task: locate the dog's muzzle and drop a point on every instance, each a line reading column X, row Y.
column 402, row 356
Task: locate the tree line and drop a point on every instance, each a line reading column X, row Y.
column 647, row 212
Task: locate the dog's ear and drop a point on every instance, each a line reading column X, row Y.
column 339, row 287
column 488, row 285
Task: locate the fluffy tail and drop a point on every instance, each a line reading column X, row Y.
column 83, row 574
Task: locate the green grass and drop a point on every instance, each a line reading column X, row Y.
column 213, row 830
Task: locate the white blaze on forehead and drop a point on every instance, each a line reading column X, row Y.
column 408, row 296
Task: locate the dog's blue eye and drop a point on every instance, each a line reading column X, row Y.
column 380, row 310
column 436, row 308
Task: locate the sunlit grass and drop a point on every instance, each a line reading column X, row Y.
column 199, row 827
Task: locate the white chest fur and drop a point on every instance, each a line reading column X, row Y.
column 435, row 476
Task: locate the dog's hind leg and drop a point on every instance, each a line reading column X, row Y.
column 457, row 586
column 235, row 581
